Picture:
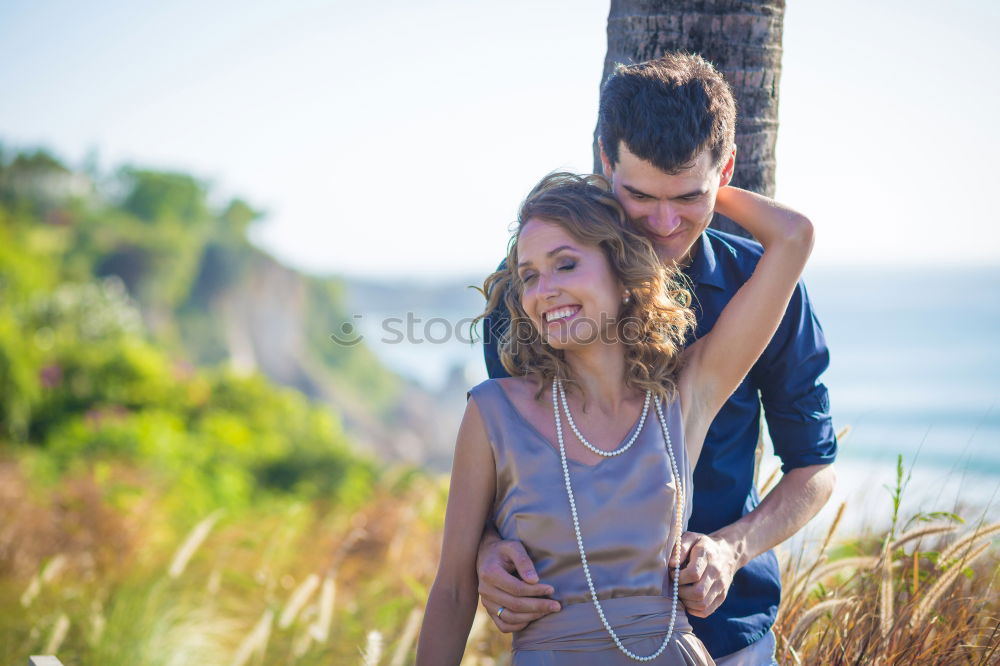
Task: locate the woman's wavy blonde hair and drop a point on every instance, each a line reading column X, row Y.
column 654, row 324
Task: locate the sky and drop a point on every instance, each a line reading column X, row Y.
column 396, row 139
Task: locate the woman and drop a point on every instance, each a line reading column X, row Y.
column 585, row 453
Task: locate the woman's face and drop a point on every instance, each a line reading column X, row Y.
column 569, row 292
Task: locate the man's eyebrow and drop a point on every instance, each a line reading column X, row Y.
column 637, row 191
column 693, row 193
column 549, row 254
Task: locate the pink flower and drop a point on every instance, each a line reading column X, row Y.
column 50, row 376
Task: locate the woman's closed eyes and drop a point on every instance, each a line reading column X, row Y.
column 568, row 265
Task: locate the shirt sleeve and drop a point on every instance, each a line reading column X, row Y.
column 495, row 324
column 796, row 403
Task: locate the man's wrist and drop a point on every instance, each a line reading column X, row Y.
column 735, row 540
column 722, row 200
column 489, row 538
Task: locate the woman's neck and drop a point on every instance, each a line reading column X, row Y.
column 599, row 369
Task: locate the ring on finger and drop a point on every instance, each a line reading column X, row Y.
column 500, row 611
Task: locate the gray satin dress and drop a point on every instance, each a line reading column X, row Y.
column 626, row 511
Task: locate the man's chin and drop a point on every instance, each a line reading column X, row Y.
column 675, row 250
column 672, row 252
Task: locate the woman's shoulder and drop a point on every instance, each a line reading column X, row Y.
column 482, row 391
column 512, row 386
column 506, row 392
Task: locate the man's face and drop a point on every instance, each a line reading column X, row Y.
column 670, row 209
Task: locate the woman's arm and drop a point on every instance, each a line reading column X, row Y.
column 454, row 595
column 718, row 362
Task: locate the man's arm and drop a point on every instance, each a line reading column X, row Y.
column 796, row 405
column 797, row 497
column 713, row 559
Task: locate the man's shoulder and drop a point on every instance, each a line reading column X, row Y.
column 734, row 249
column 723, row 262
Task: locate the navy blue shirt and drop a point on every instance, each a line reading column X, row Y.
column 796, row 405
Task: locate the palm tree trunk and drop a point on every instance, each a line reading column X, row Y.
column 742, row 38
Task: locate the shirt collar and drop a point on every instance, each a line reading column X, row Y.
column 704, row 268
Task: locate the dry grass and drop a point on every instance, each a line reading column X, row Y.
column 292, row 583
column 288, row 583
column 926, row 597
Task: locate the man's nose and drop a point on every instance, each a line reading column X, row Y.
column 665, row 218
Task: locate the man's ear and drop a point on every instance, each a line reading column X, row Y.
column 726, row 176
column 605, row 162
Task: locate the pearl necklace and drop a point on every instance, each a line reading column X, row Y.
column 678, row 519
column 583, row 440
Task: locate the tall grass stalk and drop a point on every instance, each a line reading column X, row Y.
column 921, row 532
column 256, row 641
column 297, row 600
column 886, row 594
column 941, row 585
column 191, row 544
column 320, row 629
column 58, row 634
column 372, row 653
column 407, row 638
column 955, row 550
column 807, row 618
column 48, row 573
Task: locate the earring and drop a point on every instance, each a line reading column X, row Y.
column 626, row 298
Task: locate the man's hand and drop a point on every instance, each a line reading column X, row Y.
column 498, row 560
column 708, row 565
column 709, row 561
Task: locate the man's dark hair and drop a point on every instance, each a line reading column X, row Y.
column 667, row 111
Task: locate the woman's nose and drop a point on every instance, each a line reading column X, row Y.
column 547, row 286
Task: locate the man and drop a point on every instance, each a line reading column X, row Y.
column 667, row 138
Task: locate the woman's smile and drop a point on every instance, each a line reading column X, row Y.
column 561, row 313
